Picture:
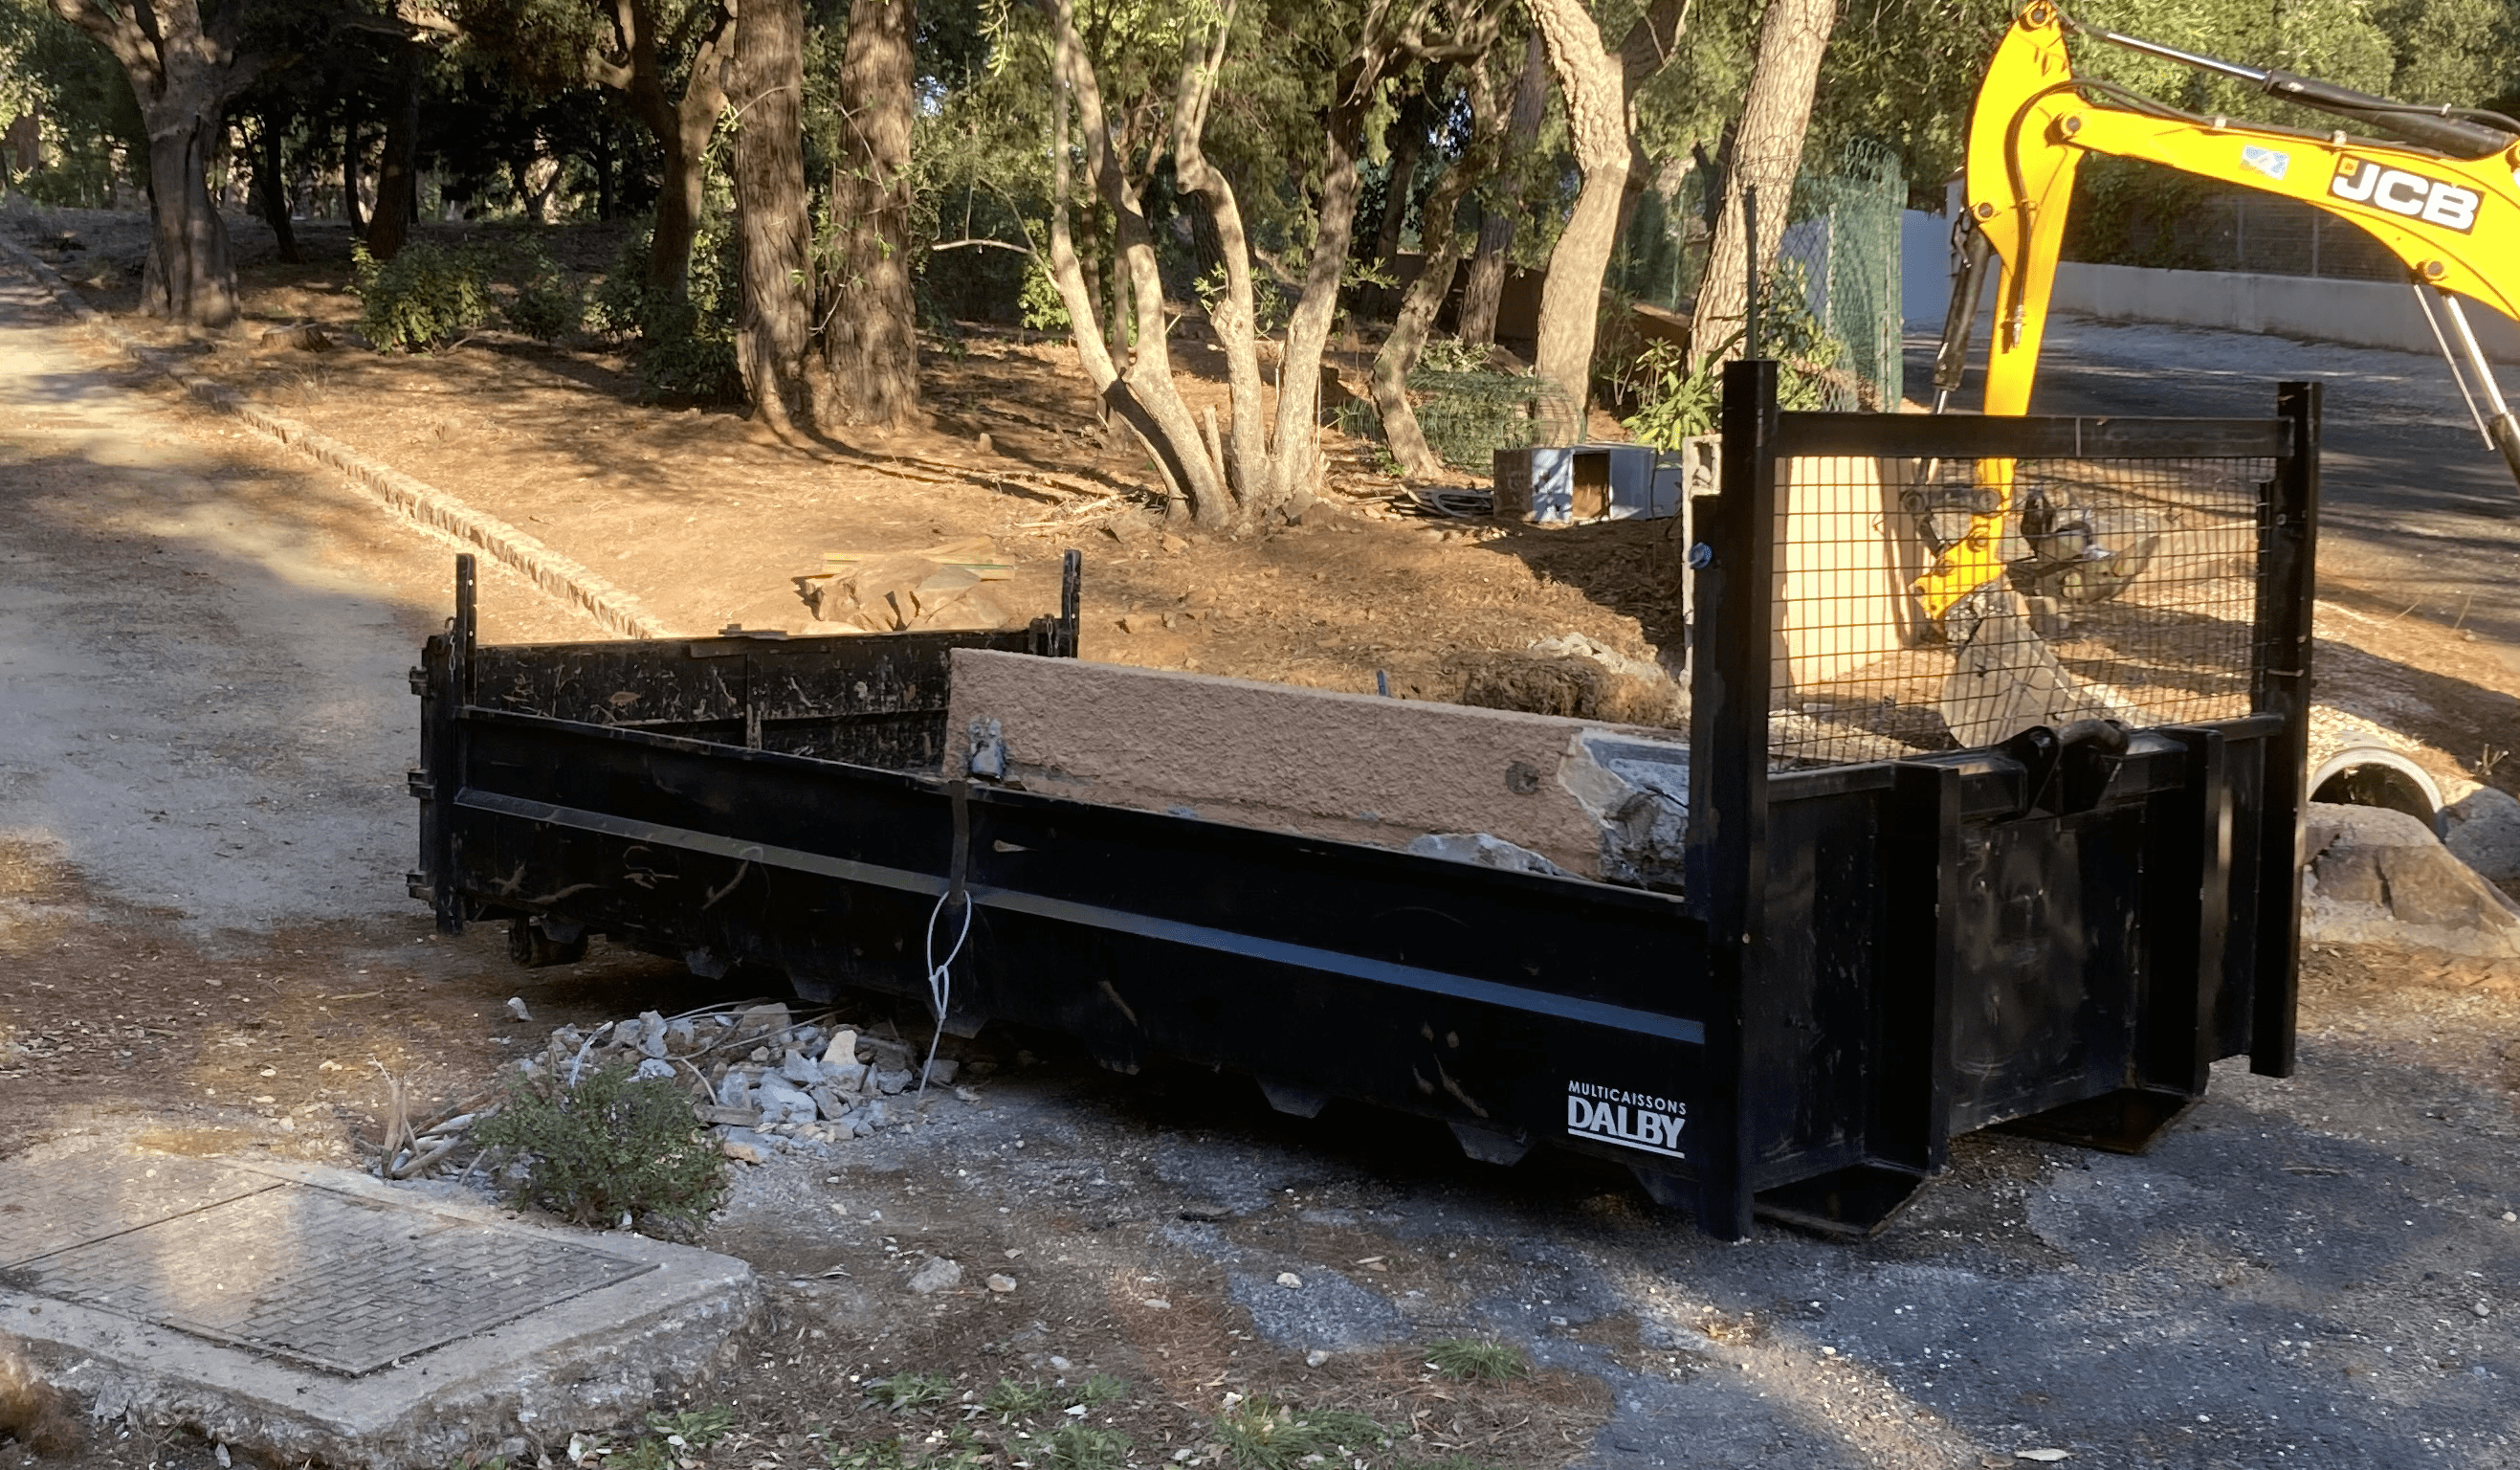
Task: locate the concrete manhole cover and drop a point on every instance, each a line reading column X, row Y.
column 61, row 1203
column 323, row 1278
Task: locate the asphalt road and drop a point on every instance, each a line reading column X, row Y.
column 2415, row 508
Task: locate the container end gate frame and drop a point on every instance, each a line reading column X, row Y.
column 2058, row 936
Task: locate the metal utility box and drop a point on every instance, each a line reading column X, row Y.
column 1572, row 483
column 1883, row 938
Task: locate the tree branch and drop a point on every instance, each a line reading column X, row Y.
column 118, row 31
column 1651, row 43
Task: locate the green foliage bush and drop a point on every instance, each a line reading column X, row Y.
column 425, row 298
column 1679, row 394
column 685, row 346
column 546, row 306
column 1040, row 305
column 611, row 1146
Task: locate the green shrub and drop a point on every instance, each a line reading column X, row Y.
column 426, row 297
column 546, row 306
column 1041, row 306
column 613, row 1145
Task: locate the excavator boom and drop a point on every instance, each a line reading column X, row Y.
column 2447, row 202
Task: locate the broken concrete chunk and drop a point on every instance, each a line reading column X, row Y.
column 780, row 1103
column 2485, row 834
column 1480, row 849
column 760, row 1023
column 2374, row 876
column 1637, row 790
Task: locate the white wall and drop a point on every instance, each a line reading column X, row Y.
column 1924, row 268
column 2356, row 313
column 2359, row 314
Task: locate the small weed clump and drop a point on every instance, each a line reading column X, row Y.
column 1014, row 1398
column 1477, row 1360
column 910, row 1390
column 611, row 1146
column 1102, row 1388
column 960, row 1451
column 1259, row 1433
column 1074, row 1446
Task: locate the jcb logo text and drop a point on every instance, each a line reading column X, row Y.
column 2433, row 200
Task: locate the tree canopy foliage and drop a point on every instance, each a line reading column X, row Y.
column 1293, row 162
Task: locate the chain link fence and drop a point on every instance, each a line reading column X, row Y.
column 1829, row 305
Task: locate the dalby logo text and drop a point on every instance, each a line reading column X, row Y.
column 2398, row 191
column 1630, row 1120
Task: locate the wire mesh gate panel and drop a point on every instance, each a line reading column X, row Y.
column 2127, row 586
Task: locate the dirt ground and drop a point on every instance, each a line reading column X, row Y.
column 2246, row 1295
column 710, row 521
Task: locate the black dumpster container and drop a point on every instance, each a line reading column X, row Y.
column 1885, row 938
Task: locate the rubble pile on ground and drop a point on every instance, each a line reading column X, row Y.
column 757, row 1074
column 762, row 1078
column 942, row 588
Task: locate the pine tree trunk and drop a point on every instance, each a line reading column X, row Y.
column 871, row 342
column 398, row 173
column 770, row 201
column 1767, row 154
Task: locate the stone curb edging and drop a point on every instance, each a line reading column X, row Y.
column 413, row 499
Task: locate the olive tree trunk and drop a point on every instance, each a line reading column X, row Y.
column 1442, row 252
column 681, row 124
column 183, row 64
column 271, row 190
column 1145, row 397
column 1598, row 84
column 1483, row 288
column 398, row 171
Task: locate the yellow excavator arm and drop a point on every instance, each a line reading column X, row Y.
column 2447, row 203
